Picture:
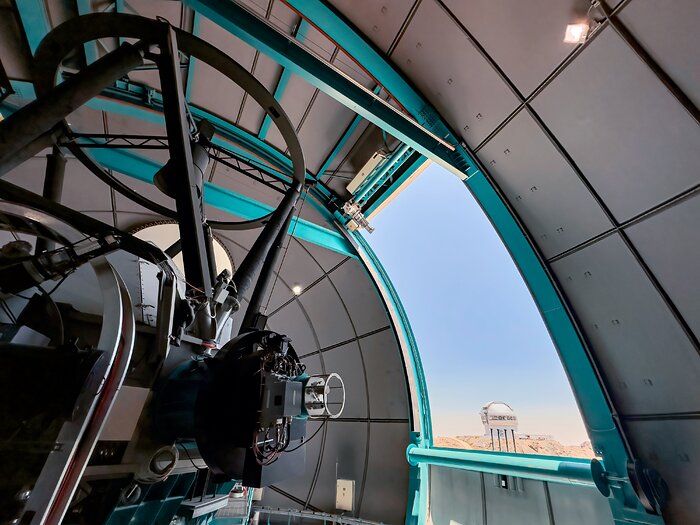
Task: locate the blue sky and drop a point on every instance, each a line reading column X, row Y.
column 479, row 332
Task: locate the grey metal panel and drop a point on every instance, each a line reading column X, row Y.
column 314, row 365
column 267, row 71
column 281, row 16
column 327, row 314
column 211, row 89
column 292, row 322
column 235, row 181
column 318, row 43
column 347, row 361
column 104, row 216
column 171, row 11
column 117, row 123
column 124, row 204
column 669, row 32
column 299, row 267
column 449, row 70
column 379, row 21
column 326, row 258
column 310, row 212
column 216, row 93
column 29, row 174
column 366, row 308
column 649, row 363
column 274, row 499
column 672, row 447
column 670, row 244
column 126, row 220
column 387, row 473
column 526, row 39
column 628, row 135
column 556, row 207
column 347, row 65
column 344, row 170
column 295, row 99
column 323, row 126
column 385, row 375
column 82, row 190
column 88, row 120
column 281, row 295
column 524, row 503
column 455, row 497
column 344, row 458
column 299, row 483
column 575, row 504
column 243, row 238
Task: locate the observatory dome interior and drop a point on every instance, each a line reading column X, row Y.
column 194, row 327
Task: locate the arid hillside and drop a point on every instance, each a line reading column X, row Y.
column 546, row 447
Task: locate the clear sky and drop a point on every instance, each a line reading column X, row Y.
column 479, row 332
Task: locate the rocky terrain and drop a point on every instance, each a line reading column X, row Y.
column 541, row 446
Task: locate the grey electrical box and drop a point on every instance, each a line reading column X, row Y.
column 281, row 398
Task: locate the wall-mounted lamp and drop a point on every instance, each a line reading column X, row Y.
column 576, row 33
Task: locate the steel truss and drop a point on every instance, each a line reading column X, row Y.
column 271, row 178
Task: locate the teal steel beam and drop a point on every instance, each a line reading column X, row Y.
column 410, row 167
column 285, row 75
column 144, row 169
column 35, row 20
column 570, row 471
column 380, row 174
column 595, row 407
column 90, row 48
column 319, row 73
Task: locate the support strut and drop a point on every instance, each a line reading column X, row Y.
column 253, row 262
column 24, row 126
column 265, row 279
column 53, row 189
column 187, row 198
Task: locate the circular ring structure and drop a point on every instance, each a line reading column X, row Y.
column 319, row 396
column 75, row 32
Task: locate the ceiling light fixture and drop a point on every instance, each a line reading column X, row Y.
column 296, row 289
column 577, row 33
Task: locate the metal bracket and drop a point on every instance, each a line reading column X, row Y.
column 357, row 220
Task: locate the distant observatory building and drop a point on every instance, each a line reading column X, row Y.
column 501, row 424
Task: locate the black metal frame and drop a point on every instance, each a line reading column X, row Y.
column 188, row 200
column 160, row 42
column 269, row 178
